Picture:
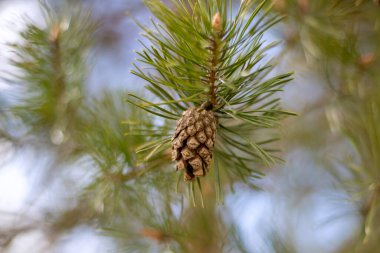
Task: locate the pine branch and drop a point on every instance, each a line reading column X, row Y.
column 351, row 75
column 52, row 63
column 199, row 52
column 215, row 52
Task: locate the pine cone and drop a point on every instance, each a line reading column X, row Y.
column 193, row 142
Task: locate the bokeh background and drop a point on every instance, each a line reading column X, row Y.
column 61, row 196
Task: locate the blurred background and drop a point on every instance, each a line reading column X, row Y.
column 67, row 182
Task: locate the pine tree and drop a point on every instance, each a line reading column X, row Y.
column 149, row 169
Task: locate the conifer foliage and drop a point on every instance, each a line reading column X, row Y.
column 210, row 111
column 203, row 52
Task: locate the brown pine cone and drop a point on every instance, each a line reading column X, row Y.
column 193, row 142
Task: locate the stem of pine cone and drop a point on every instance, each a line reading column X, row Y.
column 212, row 77
column 216, row 25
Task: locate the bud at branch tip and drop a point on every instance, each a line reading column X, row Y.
column 216, row 23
